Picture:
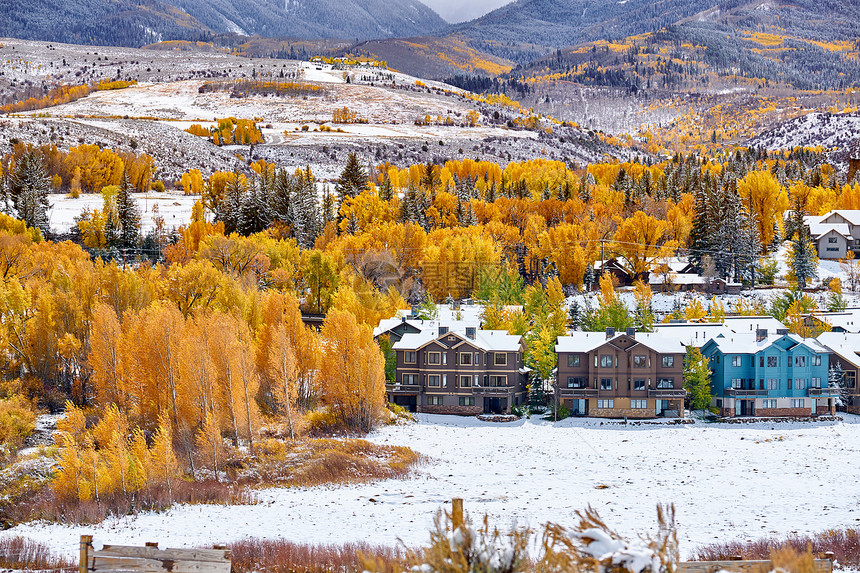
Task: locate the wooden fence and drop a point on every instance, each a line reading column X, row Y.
column 151, row 559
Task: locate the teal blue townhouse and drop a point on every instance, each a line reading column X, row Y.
column 761, row 374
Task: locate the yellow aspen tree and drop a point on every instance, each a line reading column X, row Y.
column 353, row 369
column 163, row 466
column 105, row 360
column 282, row 369
column 210, row 444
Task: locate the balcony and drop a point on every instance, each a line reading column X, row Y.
column 745, row 393
column 823, row 392
column 667, row 393
column 402, row 388
column 578, row 392
column 492, row 390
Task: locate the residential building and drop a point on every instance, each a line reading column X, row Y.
column 469, row 371
column 760, row 374
column 690, row 333
column 846, row 357
column 751, row 324
column 835, row 233
column 631, row 374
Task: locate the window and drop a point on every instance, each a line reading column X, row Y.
column 815, row 382
column 737, row 383
column 771, row 361
column 408, row 357
column 577, row 382
column 798, row 403
column 465, row 381
column 467, row 400
column 573, row 360
column 639, row 384
column 772, row 384
column 606, row 361
column 433, row 380
column 640, row 361
column 606, row 383
column 800, row 361
column 605, row 404
column 800, row 383
column 832, row 240
column 761, row 361
column 410, row 379
column 666, row 383
column 434, row 358
column 498, row 381
column 736, row 361
column 816, row 361
column 465, row 359
column 638, row 404
column 668, row 361
column 768, row 404
column 500, row 359
column 434, row 400
column 850, row 379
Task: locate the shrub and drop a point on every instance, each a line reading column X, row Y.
column 17, row 421
column 843, row 543
column 280, row 556
column 25, row 554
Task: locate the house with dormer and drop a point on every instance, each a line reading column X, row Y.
column 762, row 374
column 468, row 371
column 621, row 375
column 835, row 233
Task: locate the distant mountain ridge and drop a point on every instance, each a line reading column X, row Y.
column 140, row 22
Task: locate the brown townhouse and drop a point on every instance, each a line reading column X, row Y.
column 846, row 357
column 467, row 371
column 609, row 375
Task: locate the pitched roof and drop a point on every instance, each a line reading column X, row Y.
column 692, row 333
column 850, row 215
column 487, row 340
column 818, row 230
column 737, row 343
column 588, row 341
column 848, row 320
column 844, row 344
column 749, row 324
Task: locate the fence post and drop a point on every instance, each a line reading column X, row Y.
column 86, row 543
column 457, row 512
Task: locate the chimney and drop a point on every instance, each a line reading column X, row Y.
column 760, row 334
column 403, row 319
column 631, row 332
column 414, row 310
column 782, row 331
column 610, row 332
column 470, row 332
column 443, row 330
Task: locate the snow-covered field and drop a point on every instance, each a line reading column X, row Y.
column 727, row 482
column 174, row 208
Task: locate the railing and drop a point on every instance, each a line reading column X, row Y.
column 578, row 392
column 402, row 387
column 492, row 389
column 823, row 392
column 746, row 393
column 667, row 393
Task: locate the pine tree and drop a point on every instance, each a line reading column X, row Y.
column 697, row 379
column 305, row 209
column 282, row 197
column 804, row 257
column 29, row 190
column 352, row 180
column 229, row 211
column 255, row 209
column 129, row 214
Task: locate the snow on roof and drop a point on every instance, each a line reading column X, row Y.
column 849, row 320
column 746, row 343
column 588, row 341
column 692, row 333
column 820, row 229
column 749, row 324
column 676, row 278
column 844, row 344
column 447, row 315
column 487, row 340
column 850, row 215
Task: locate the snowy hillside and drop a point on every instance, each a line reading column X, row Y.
column 727, row 482
column 830, row 131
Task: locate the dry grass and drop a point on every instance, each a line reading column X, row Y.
column 45, row 505
column 263, row 556
column 843, row 543
column 25, row 554
column 312, row 462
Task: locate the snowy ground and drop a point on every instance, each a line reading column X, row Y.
column 726, row 481
column 174, row 208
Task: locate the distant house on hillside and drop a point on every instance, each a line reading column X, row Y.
column 835, row 233
column 609, row 375
column 468, row 371
column 763, row 375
